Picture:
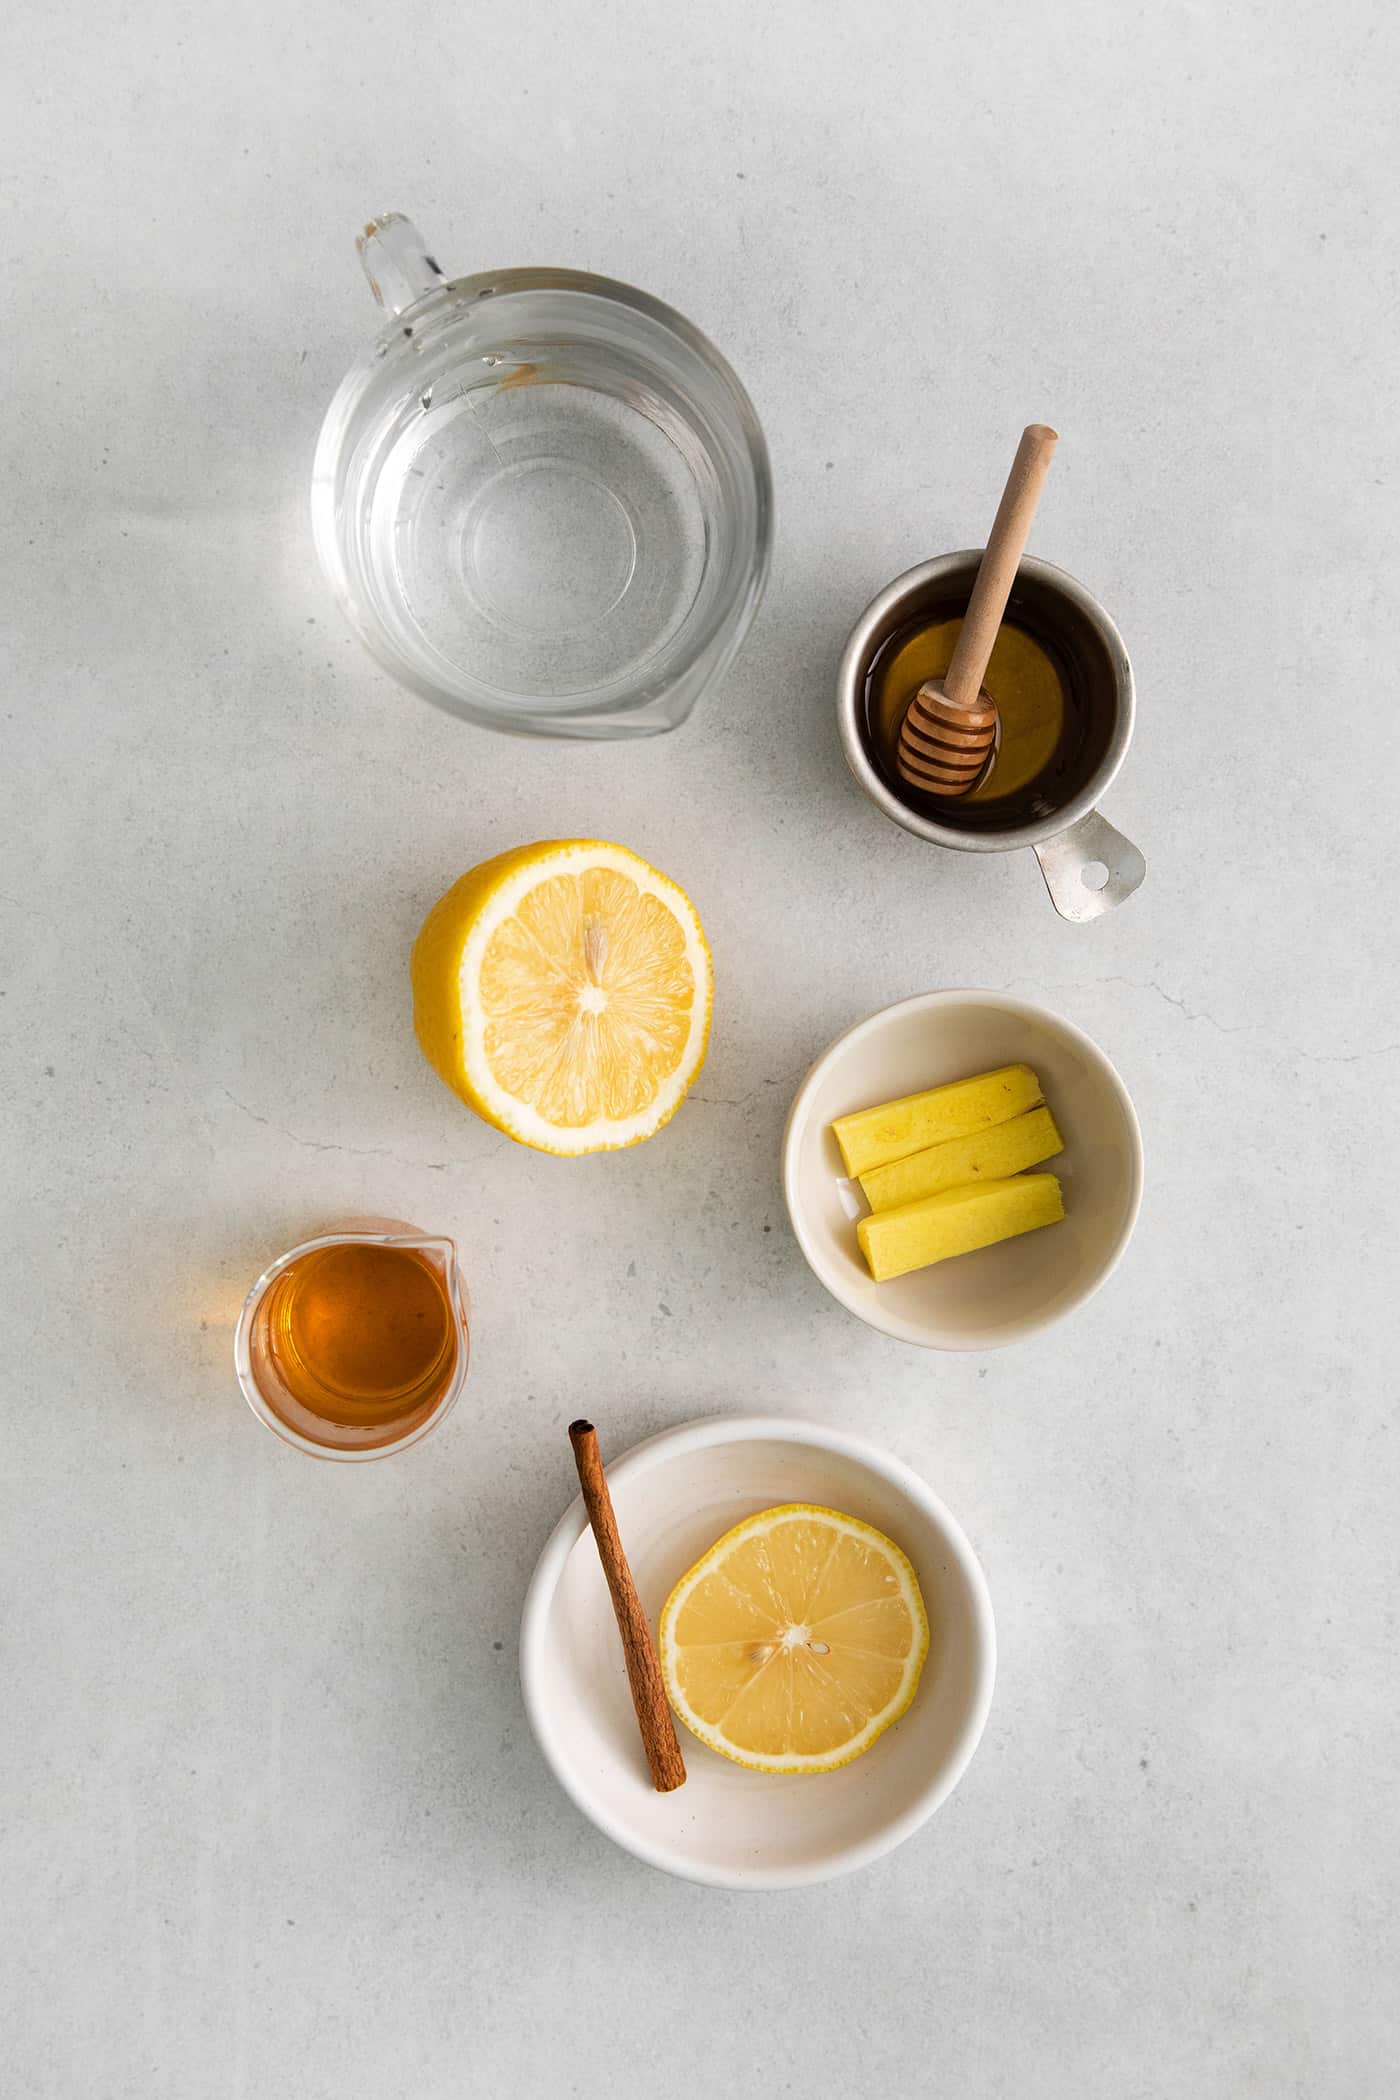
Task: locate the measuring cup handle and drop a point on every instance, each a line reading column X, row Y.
column 396, row 261
column 1089, row 868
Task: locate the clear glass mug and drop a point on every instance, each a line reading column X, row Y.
column 542, row 498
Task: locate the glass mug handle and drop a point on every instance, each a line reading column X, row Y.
column 1089, row 868
column 396, row 261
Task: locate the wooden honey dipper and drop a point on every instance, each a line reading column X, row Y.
column 947, row 736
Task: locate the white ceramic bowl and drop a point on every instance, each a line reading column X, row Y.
column 727, row 1826
column 999, row 1294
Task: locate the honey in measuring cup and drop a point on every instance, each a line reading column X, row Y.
column 1045, row 740
column 355, row 1344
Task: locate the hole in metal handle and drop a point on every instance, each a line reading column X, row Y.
column 1090, row 868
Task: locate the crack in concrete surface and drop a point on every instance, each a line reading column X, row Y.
column 434, row 1166
column 1201, row 1013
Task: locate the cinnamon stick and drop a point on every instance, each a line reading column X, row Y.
column 638, row 1648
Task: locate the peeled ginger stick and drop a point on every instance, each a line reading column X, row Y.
column 872, row 1137
column 957, row 1221
column 988, row 1155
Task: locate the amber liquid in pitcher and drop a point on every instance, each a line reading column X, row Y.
column 361, row 1343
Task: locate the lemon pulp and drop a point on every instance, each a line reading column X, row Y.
column 796, row 1640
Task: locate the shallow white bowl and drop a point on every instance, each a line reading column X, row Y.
column 999, row 1294
column 674, row 1496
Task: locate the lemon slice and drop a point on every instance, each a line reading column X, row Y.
column 563, row 991
column 796, row 1641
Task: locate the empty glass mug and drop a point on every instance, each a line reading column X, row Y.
column 542, row 498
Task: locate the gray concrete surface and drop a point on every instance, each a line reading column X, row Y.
column 271, row 1822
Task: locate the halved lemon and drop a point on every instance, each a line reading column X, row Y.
column 796, row 1640
column 563, row 991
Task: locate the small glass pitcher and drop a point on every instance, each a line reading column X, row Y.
column 355, row 1344
column 542, row 498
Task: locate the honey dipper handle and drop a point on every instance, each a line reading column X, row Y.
column 1007, row 543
